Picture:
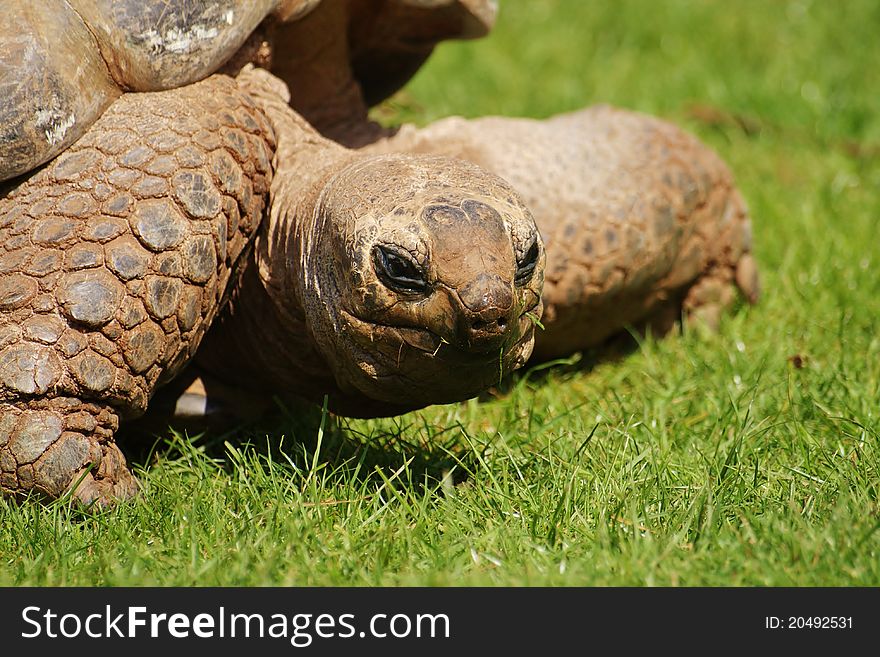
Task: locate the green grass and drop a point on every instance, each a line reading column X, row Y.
column 697, row 460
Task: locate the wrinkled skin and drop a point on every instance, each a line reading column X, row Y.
column 118, row 255
column 383, row 348
column 313, row 300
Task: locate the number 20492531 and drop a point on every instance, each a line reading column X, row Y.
column 808, row 622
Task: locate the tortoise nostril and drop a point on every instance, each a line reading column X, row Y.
column 495, row 326
column 487, row 306
column 486, row 333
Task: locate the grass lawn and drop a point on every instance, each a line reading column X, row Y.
column 749, row 457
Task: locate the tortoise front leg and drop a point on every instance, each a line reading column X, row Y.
column 114, row 260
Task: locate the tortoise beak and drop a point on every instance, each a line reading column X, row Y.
column 486, row 320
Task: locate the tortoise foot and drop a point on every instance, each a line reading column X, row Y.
column 49, row 448
column 110, row 483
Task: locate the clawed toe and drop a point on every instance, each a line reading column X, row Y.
column 90, row 492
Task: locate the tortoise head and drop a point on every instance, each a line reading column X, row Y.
column 426, row 278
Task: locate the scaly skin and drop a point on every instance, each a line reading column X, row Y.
column 115, row 259
column 638, row 217
column 119, row 254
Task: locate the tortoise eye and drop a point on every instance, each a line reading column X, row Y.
column 398, row 271
column 526, row 265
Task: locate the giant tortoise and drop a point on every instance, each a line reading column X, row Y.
column 181, row 165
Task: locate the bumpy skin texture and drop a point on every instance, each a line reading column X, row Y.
column 638, row 217
column 115, row 259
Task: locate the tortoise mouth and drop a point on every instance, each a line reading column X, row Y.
column 391, row 361
column 423, row 339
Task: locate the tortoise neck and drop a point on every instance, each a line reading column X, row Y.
column 263, row 344
column 265, row 340
column 262, row 340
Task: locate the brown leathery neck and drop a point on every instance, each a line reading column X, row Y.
column 262, row 340
column 272, row 337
